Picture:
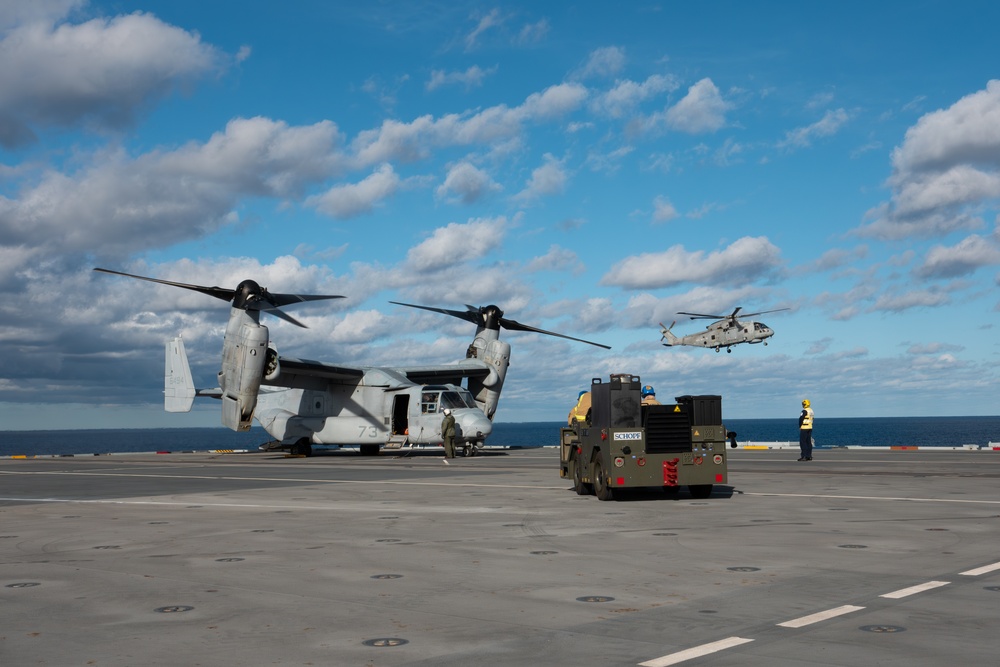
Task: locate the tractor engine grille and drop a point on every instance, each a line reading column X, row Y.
column 667, row 431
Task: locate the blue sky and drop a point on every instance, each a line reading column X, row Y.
column 590, row 169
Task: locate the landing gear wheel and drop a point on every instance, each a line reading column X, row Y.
column 302, row 447
column 468, row 450
column 601, row 488
column 369, row 450
column 700, row 490
column 581, row 487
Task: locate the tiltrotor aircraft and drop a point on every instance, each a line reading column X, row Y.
column 301, row 403
column 724, row 333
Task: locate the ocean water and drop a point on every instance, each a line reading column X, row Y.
column 832, row 432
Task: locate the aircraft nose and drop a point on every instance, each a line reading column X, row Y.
column 475, row 425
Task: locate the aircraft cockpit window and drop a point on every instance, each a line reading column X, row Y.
column 429, row 402
column 453, row 400
column 470, row 401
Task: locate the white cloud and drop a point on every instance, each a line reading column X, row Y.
column 606, row 61
column 470, row 78
column 548, row 179
column 457, row 243
column 556, row 259
column 803, row 137
column 701, row 110
column 354, row 199
column 947, row 166
column 747, row 259
column 970, row 254
column 663, row 210
column 898, row 302
column 486, row 23
column 626, row 95
column 467, row 183
column 102, row 72
column 533, row 33
column 412, row 141
column 119, row 204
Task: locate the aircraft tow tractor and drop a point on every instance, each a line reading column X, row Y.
column 623, row 444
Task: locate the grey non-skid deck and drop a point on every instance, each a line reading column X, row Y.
column 855, row 558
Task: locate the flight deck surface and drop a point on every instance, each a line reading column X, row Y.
column 855, row 558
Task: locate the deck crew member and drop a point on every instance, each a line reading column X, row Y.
column 806, row 432
column 448, row 434
column 649, row 395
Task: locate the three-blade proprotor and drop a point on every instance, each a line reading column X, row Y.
column 491, row 317
column 248, row 295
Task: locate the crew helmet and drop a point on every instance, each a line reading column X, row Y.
column 805, row 403
column 447, row 411
column 648, row 391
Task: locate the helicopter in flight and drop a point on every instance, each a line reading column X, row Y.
column 301, row 403
column 724, row 333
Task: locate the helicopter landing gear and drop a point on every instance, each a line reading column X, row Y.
column 302, row 447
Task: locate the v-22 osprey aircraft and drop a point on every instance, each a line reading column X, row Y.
column 724, row 333
column 301, row 403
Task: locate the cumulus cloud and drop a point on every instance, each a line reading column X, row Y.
column 457, row 242
column 747, row 259
column 947, row 166
column 548, row 179
column 102, row 72
column 663, row 210
column 467, row 184
column 119, row 204
column 702, row 110
column 395, row 140
column 626, row 95
column 962, row 259
column 354, row 199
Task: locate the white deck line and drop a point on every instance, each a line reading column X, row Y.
column 913, row 590
column 981, row 570
column 821, row 616
column 696, row 652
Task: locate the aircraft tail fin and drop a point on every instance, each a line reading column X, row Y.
column 178, row 386
column 667, row 335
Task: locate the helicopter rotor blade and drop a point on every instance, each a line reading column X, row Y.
column 765, row 312
column 703, row 316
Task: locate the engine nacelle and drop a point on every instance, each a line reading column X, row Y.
column 244, row 356
column 496, row 354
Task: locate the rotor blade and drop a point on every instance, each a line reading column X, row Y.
column 470, row 315
column 283, row 315
column 475, row 315
column 703, row 316
column 765, row 312
column 217, row 292
column 517, row 326
column 288, row 299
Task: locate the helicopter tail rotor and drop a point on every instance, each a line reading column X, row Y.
column 667, row 335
